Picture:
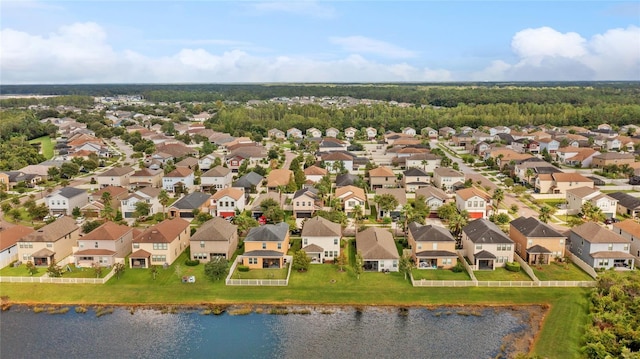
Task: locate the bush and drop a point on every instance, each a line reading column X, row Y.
column 243, row 269
column 513, row 266
column 458, row 268
column 191, row 263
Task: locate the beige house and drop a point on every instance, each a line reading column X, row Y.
column 305, row 203
column 381, row 177
column 434, row 197
column 432, row 247
column 612, row 158
column 104, row 245
column 117, row 176
column 278, row 178
column 266, row 246
column 576, row 197
column 219, row 177
column 378, row 250
column 536, row 242
column 414, row 178
column 445, row 178
column 351, row 196
column 559, row 183
column 52, row 242
column 314, row 173
column 215, row 238
column 146, row 178
column 160, row 244
column 630, row 230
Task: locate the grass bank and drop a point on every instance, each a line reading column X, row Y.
column 46, row 146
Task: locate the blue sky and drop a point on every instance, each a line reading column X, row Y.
column 317, row 41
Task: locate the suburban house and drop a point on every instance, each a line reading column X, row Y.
column 612, row 158
column 428, row 162
column 576, row 197
column 381, row 177
column 160, row 244
column 350, row 133
column 628, row 229
column 549, row 144
column 10, row 179
column 378, row 249
column 429, row 133
column 186, row 206
column 215, row 238
column 179, row 179
column 372, row 133
column 276, row 134
column 278, row 178
column 474, row 201
column 313, row 132
column 577, row 156
column 188, row 162
column 600, row 247
column 218, row 177
column 486, row 246
column 445, row 178
column 330, row 144
column 146, row 178
column 351, row 196
column 434, row 197
column 266, row 246
column 104, row 245
column 321, row 239
column 446, row 132
column 560, row 182
column 432, row 247
column 314, row 173
column 399, row 194
column 117, row 176
column 64, row 200
column 52, row 242
column 305, row 203
column 9, row 243
column 205, row 163
column 410, row 131
column 627, row 204
column 414, row 178
column 336, row 161
column 332, row 132
column 251, row 183
column 536, row 242
column 294, row 132
column 256, row 207
column 228, row 202
column 146, row 194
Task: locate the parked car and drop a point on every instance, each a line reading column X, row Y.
column 611, row 220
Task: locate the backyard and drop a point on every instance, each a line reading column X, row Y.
column 269, row 273
column 501, row 274
column 558, row 271
column 439, row 274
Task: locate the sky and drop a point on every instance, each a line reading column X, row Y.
column 317, row 41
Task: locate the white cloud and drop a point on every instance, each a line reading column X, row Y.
column 546, row 54
column 81, row 53
column 365, row 45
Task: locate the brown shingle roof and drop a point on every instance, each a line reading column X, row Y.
column 381, row 172
column 315, row 170
column 279, row 177
column 582, row 192
column 355, row 192
column 108, row 231
column 180, row 172
column 218, row 171
column 233, row 192
column 376, row 243
column 52, row 231
column 570, row 177
column 595, row 233
column 630, row 226
column 163, row 232
column 320, row 227
column 397, row 193
column 467, row 193
column 10, row 236
column 215, row 229
column 94, row 252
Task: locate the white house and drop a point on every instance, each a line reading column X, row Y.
column 179, row 178
column 350, row 133
column 218, row 177
column 372, row 133
column 227, row 201
column 321, row 239
column 474, row 201
column 148, row 195
column 351, row 196
column 577, row 197
column 445, row 178
column 66, row 199
column 332, row 132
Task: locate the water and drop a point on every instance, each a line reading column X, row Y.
column 381, row 333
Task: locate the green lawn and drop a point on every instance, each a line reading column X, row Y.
column 83, row 272
column 320, row 285
column 500, row 274
column 46, row 146
column 439, row 274
column 557, row 271
column 280, row 273
column 20, row 271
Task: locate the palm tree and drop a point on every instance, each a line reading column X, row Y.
column 498, row 196
column 457, row 222
column 163, row 198
column 358, row 214
column 529, row 173
column 386, row 202
column 591, row 212
column 108, row 211
column 545, row 214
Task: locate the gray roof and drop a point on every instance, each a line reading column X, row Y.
column 431, row 191
column 248, row 180
column 436, row 254
column 70, row 192
column 345, row 179
column 192, row 200
column 415, row 172
column 268, row 233
column 532, row 227
column 215, row 229
column 320, row 227
column 485, row 231
column 313, row 248
column 537, row 249
column 309, row 191
column 429, row 233
column 263, row 253
column 626, row 200
column 484, row 255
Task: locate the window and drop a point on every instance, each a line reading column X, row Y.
column 304, row 241
column 562, row 241
column 279, row 245
column 199, row 256
column 160, row 246
column 158, row 259
column 419, row 245
column 610, row 247
column 446, row 261
column 264, row 245
column 395, row 264
column 136, row 245
column 475, row 203
column 530, row 242
column 335, row 241
column 478, row 246
column 626, row 247
column 201, row 244
column 469, row 203
column 297, row 203
column 95, row 245
column 326, row 253
column 253, row 260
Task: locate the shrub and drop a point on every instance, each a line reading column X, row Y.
column 459, row 267
column 243, row 269
column 513, row 266
column 191, row 263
